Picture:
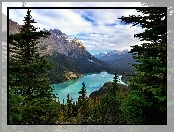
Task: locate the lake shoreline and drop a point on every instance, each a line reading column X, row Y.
column 93, row 82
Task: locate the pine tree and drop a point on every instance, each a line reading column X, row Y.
column 109, row 103
column 28, row 74
column 146, row 102
column 115, row 79
column 83, row 103
column 74, row 109
column 82, row 92
column 94, row 111
column 115, row 86
column 15, row 114
column 170, row 54
column 69, row 104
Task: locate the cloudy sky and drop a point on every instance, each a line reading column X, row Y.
column 97, row 29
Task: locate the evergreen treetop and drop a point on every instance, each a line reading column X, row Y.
column 149, row 85
column 28, row 74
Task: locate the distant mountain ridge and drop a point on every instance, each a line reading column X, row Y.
column 111, row 53
column 122, row 60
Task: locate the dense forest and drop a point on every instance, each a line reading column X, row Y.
column 144, row 101
column 63, row 64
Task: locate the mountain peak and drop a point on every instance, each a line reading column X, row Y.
column 56, row 42
column 56, row 31
column 75, row 38
column 77, row 42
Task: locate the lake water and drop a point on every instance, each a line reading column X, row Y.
column 93, row 81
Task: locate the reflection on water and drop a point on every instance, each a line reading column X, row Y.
column 92, row 82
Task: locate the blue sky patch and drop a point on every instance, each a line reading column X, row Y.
column 111, row 24
column 88, row 19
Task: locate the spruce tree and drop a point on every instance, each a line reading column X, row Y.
column 28, row 74
column 83, row 103
column 146, row 103
column 82, row 92
column 15, row 114
column 69, row 104
column 109, row 106
column 170, row 54
column 115, row 86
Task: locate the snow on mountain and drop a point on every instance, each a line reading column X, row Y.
column 103, row 54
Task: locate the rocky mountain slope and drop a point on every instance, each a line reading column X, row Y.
column 58, row 42
column 77, row 60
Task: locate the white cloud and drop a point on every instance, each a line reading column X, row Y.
column 96, row 34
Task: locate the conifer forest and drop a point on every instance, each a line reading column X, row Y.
column 143, row 101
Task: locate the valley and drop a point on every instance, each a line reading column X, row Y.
column 68, row 56
column 71, row 61
column 55, row 78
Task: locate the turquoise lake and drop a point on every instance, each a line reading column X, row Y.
column 93, row 81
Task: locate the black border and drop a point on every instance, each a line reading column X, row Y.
column 81, row 7
column 47, row 29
